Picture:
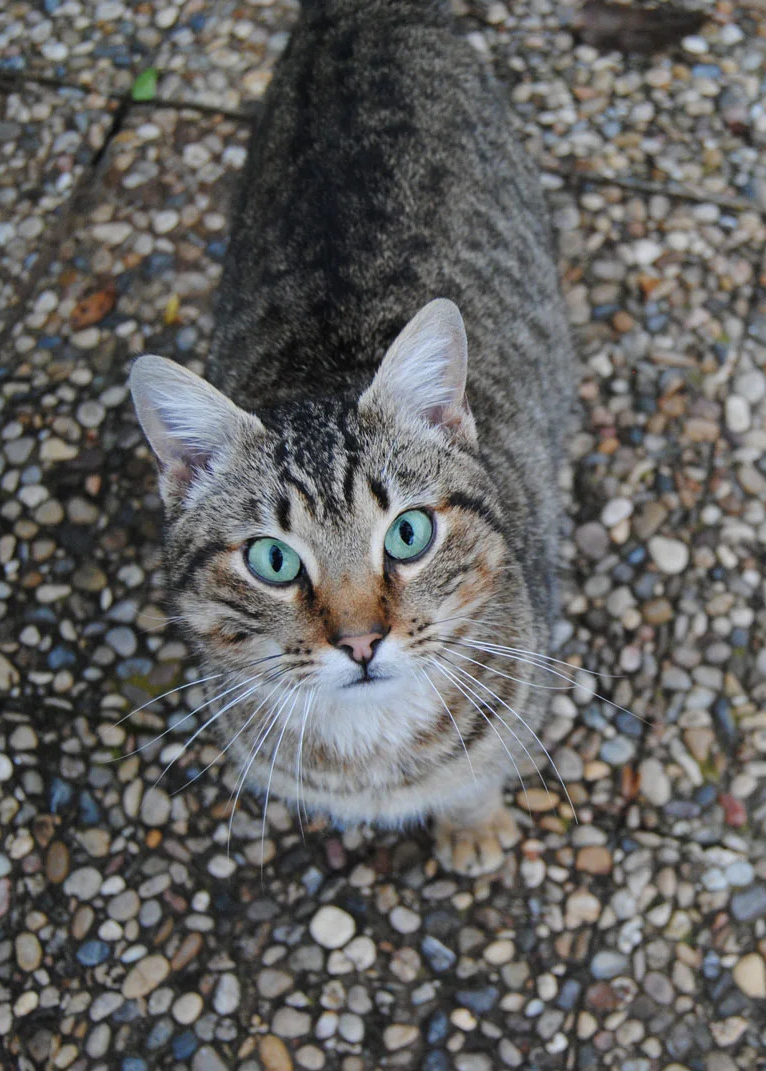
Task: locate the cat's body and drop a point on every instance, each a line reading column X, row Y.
column 383, row 174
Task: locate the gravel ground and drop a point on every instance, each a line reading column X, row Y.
column 145, row 927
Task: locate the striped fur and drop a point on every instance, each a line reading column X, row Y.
column 384, row 173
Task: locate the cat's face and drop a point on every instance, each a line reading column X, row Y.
column 328, row 551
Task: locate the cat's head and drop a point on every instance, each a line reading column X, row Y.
column 331, row 544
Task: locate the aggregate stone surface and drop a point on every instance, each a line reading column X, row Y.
column 48, row 138
column 147, row 925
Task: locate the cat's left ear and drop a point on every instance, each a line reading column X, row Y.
column 424, row 372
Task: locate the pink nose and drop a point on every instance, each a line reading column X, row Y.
column 360, row 648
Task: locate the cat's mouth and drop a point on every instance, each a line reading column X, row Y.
column 367, row 679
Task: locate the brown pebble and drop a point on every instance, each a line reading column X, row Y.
column 188, row 950
column 153, row 838
column 82, row 921
column 657, row 611
column 57, row 862
column 274, row 1054
column 594, row 859
column 700, row 430
column 537, row 799
column 622, row 321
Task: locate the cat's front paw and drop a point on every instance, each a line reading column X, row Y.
column 479, row 848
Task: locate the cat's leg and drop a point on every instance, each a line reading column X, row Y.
column 472, row 838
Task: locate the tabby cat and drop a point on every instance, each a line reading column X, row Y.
column 361, row 520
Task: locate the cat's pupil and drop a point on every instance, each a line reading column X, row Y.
column 276, row 558
column 407, row 532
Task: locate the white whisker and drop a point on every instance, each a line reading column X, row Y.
column 529, row 729
column 464, row 692
column 452, row 719
column 238, row 733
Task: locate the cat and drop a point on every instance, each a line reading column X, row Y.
column 361, row 503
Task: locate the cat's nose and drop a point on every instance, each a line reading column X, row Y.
column 360, row 649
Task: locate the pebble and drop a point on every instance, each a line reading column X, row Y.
column 57, row 862
column 671, row 556
column 29, row 952
column 750, row 975
column 749, row 904
column 403, row 920
column 594, row 859
column 332, row 927
column 291, row 1023
column 399, row 1036
column 227, row 994
column 608, row 964
column 187, row 1008
column 438, row 955
column 275, row 1056
column 145, row 976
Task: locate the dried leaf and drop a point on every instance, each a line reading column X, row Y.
column 93, row 307
column 171, row 309
column 633, row 28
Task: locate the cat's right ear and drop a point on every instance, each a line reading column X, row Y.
column 187, row 421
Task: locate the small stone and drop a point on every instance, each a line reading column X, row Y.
column 582, row 907
column 165, row 221
column 737, row 414
column 594, row 859
column 750, row 975
column 399, row 1036
column 273, row 983
column 749, row 904
column 671, row 556
column 227, row 994
column 187, row 1008
column 608, row 964
column 155, row 807
column 593, row 540
column 616, row 510
column 274, row 1054
column 499, row 952
column 331, row 927
column 438, row 955
column 29, row 953
column 657, row 611
column 57, row 862
column 618, row 750
column 645, row 251
column 361, row 952
column 291, row 1023
column 655, row 783
column 403, row 920
column 147, row 974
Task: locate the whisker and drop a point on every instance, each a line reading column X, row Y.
column 171, row 691
column 517, row 680
column 260, row 739
column 492, row 649
column 460, row 688
column 299, row 761
column 529, row 729
column 174, row 727
column 452, row 719
column 271, row 771
column 280, row 673
column 206, row 724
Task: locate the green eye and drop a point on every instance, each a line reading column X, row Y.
column 273, row 561
column 409, row 536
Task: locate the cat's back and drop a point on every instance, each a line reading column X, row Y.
column 383, row 173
